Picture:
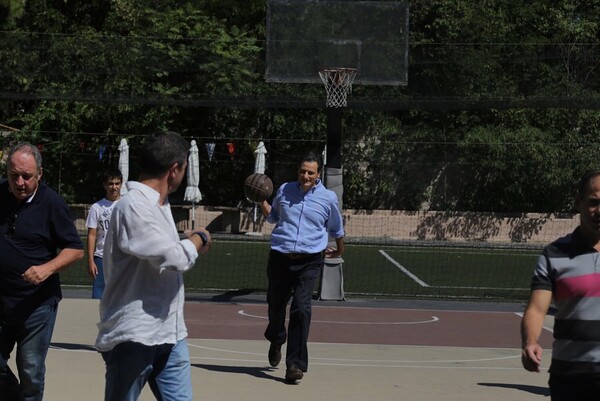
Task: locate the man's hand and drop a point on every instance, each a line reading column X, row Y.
column 202, row 248
column 338, row 250
column 92, row 269
column 36, row 274
column 332, row 252
column 531, row 357
column 66, row 257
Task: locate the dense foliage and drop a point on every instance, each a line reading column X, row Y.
column 500, row 112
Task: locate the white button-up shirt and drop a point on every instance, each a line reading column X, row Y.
column 144, row 260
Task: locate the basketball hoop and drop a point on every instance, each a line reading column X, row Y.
column 338, row 83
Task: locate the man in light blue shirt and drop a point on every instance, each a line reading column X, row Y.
column 306, row 214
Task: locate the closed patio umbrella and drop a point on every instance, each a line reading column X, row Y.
column 192, row 192
column 124, row 163
column 260, row 165
column 260, row 159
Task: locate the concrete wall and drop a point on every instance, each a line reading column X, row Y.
column 393, row 224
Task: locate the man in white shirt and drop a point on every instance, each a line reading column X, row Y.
column 141, row 330
column 97, row 223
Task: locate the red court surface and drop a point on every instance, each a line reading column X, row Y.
column 366, row 325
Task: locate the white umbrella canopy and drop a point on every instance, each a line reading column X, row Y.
column 260, row 164
column 124, row 163
column 192, row 192
column 260, row 159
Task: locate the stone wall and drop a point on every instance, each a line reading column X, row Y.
column 390, row 224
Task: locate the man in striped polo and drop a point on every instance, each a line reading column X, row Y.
column 568, row 273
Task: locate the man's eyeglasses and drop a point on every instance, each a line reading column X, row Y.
column 11, row 221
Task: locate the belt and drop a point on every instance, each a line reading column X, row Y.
column 299, row 256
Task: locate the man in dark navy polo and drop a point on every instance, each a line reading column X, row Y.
column 37, row 240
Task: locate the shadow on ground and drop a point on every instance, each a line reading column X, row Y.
column 73, row 347
column 261, row 373
column 545, row 391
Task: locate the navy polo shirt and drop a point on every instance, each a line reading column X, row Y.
column 31, row 233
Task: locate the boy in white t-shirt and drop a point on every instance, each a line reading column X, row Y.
column 97, row 223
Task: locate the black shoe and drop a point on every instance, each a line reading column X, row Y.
column 274, row 354
column 292, row 374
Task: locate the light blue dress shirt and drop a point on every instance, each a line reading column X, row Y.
column 304, row 220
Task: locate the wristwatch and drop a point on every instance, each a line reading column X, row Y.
column 202, row 236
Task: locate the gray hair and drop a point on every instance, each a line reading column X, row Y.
column 25, row 147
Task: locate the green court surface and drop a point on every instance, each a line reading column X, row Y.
column 369, row 270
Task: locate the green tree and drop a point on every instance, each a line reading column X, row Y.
column 118, row 68
column 500, row 112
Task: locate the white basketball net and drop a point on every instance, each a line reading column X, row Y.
column 338, row 83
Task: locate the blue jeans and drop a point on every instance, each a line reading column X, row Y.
column 32, row 337
column 98, row 284
column 165, row 367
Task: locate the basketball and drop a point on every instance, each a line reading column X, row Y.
column 258, row 187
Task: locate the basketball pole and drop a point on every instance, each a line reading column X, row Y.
column 333, row 169
column 331, row 283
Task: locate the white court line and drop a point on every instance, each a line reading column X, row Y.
column 432, row 320
column 404, row 270
column 398, row 365
column 344, row 361
column 424, row 284
column 347, row 362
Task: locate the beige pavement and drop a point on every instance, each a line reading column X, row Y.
column 237, row 370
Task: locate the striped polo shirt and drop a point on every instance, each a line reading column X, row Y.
column 570, row 268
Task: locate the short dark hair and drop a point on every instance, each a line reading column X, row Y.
column 587, row 177
column 112, row 173
column 160, row 151
column 312, row 157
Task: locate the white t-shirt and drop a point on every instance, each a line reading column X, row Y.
column 99, row 218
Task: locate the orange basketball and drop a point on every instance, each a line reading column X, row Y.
column 258, row 187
